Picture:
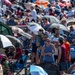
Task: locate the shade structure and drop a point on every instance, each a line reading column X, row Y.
column 21, row 32
column 7, row 2
column 15, row 6
column 5, row 30
column 34, row 27
column 4, row 42
column 51, row 19
column 70, row 22
column 14, row 40
column 60, row 26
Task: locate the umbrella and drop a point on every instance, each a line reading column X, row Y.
column 7, row 2
column 51, row 19
column 62, row 27
column 37, row 70
column 61, row 4
column 70, row 22
column 43, row 3
column 14, row 40
column 21, row 32
column 51, row 69
column 5, row 30
column 28, row 5
column 34, row 27
column 16, row 6
column 4, row 42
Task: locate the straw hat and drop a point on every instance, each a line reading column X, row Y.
column 63, row 19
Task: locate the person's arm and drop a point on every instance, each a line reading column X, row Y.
column 59, row 54
column 53, row 47
column 42, row 51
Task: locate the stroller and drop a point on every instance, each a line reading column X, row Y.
column 19, row 65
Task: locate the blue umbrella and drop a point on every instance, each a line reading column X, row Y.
column 38, row 70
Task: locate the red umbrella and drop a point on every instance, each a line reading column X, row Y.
column 7, row 2
column 62, row 4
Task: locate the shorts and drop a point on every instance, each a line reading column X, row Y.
column 63, row 66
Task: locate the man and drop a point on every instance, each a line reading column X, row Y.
column 54, row 40
column 33, row 14
column 70, row 13
column 11, row 21
column 47, row 9
column 72, row 31
column 67, row 45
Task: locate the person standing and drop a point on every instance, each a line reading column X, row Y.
column 67, row 45
column 48, row 51
column 33, row 14
column 62, row 59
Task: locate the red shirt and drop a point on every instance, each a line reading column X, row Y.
column 18, row 53
column 52, row 14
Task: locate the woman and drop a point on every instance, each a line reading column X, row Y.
column 48, row 51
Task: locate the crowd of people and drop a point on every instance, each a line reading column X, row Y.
column 49, row 46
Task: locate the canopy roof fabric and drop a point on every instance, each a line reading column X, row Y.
column 5, row 30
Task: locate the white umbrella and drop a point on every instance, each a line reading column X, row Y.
column 51, row 19
column 28, row 5
column 4, row 42
column 21, row 32
column 14, row 40
column 60, row 26
column 34, row 27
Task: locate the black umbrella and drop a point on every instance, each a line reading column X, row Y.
column 51, row 69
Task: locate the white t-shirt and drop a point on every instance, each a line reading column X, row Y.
column 33, row 15
column 69, row 14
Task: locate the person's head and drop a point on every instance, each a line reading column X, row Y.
column 17, row 45
column 63, row 20
column 18, row 8
column 44, row 37
column 5, row 16
column 45, row 20
column 65, row 37
column 71, row 28
column 40, row 31
column 32, row 7
column 50, row 10
column 3, row 60
column 47, row 42
column 32, row 20
column 12, row 17
column 61, row 40
column 49, row 5
column 57, row 31
column 69, row 8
